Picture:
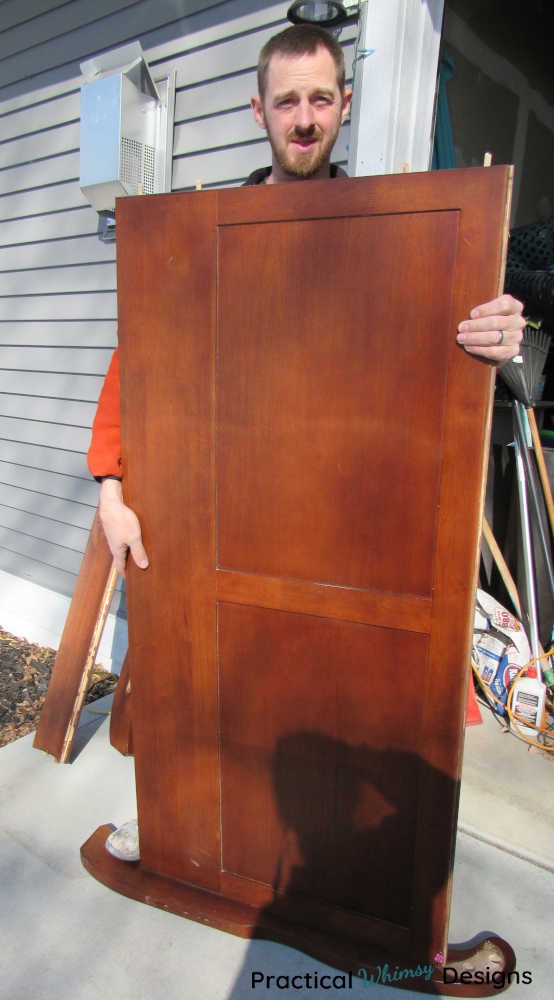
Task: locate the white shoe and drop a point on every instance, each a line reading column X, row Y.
column 123, row 843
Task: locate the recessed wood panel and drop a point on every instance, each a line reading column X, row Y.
column 308, row 804
column 309, row 402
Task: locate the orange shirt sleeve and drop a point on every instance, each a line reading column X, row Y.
column 104, row 454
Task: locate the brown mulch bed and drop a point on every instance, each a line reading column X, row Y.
column 25, row 670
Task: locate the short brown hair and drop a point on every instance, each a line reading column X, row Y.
column 298, row 40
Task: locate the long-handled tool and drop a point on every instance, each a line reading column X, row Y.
column 502, row 565
column 543, row 473
column 527, row 546
column 522, row 375
column 531, row 480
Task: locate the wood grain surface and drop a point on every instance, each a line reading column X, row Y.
column 305, row 445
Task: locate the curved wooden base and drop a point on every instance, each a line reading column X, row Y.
column 130, row 879
column 357, row 958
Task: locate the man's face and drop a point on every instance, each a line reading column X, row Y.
column 302, row 112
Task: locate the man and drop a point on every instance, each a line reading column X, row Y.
column 301, row 103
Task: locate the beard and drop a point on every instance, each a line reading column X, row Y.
column 303, row 165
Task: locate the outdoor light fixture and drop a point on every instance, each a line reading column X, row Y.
column 326, row 14
column 126, row 130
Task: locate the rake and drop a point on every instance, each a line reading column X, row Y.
column 523, row 374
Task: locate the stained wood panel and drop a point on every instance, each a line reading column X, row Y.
column 303, row 439
column 304, row 443
column 305, row 707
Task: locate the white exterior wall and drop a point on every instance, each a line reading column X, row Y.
column 57, row 280
column 394, row 94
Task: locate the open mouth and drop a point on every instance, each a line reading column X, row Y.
column 304, row 143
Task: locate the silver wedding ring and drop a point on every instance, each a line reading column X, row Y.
column 500, row 338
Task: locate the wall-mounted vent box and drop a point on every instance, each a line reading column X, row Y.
column 126, row 122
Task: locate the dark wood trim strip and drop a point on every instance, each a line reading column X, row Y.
column 398, row 611
column 356, row 196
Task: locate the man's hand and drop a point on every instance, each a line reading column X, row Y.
column 121, row 526
column 480, row 335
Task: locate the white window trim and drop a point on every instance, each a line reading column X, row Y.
column 395, row 85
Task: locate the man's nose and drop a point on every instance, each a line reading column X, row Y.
column 305, row 118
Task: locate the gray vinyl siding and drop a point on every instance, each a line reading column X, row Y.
column 57, row 280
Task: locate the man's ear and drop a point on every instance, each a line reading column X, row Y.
column 346, row 103
column 258, row 109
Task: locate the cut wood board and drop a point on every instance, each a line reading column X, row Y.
column 78, row 647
